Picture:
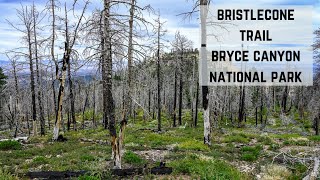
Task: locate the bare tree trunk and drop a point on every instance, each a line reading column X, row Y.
column 205, row 89
column 16, row 108
column 84, row 108
column 68, row 121
column 94, row 105
column 196, row 107
column 42, row 121
column 128, row 99
column 180, row 98
column 149, row 101
column 65, row 61
column 71, row 96
column 175, row 100
column 53, row 58
column 284, row 100
column 316, row 128
column 57, row 123
column 158, row 77
column 32, row 83
column 107, row 86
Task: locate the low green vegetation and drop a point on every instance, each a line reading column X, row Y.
column 10, row 145
column 249, row 153
column 5, row 175
column 132, row 158
column 179, row 147
column 200, row 167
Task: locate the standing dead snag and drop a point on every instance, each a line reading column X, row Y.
column 36, row 22
column 69, row 43
column 158, row 74
column 26, row 18
column 203, row 56
column 108, row 109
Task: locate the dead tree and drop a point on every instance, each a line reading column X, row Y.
column 36, row 21
column 25, row 16
column 68, row 47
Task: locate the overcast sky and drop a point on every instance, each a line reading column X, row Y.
column 9, row 38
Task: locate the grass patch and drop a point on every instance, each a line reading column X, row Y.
column 238, row 139
column 39, row 160
column 10, row 145
column 5, row 175
column 300, row 141
column 275, row 172
column 249, row 153
column 193, row 145
column 87, row 158
column 298, row 171
column 132, row 158
column 314, row 138
column 205, row 169
column 265, row 139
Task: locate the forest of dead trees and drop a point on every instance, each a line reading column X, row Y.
column 133, row 68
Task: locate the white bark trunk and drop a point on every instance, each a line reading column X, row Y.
column 202, row 67
column 35, row 130
column 55, row 132
column 207, row 128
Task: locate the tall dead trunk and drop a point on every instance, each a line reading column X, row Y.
column 16, row 106
column 175, row 100
column 196, row 107
column 109, row 108
column 205, row 89
column 94, row 105
column 40, row 104
column 32, row 82
column 71, row 96
column 62, row 79
column 53, row 57
column 158, row 77
column 284, row 100
column 84, row 108
column 65, row 61
column 180, row 99
column 149, row 101
column 316, row 125
column 128, row 98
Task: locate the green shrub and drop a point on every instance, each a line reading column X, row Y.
column 10, row 145
column 132, row 158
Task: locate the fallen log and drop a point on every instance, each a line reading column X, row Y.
column 23, row 139
column 55, row 174
column 116, row 172
column 161, row 170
